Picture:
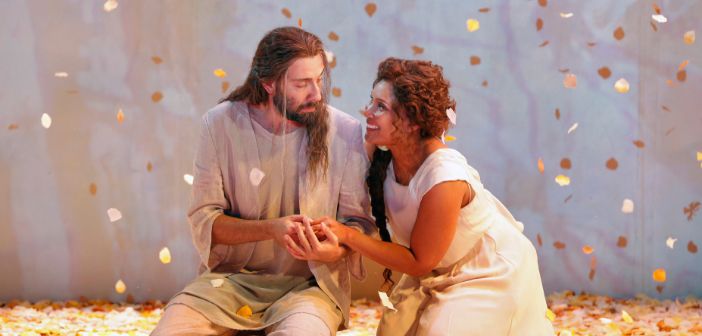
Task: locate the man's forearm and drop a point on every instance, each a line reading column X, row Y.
column 231, row 231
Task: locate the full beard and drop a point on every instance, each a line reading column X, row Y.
column 295, row 114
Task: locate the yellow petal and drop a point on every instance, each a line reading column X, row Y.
column 110, row 5
column 244, row 312
column 626, row 317
column 659, row 275
column 120, row 116
column 562, row 180
column 165, row 255
column 690, row 36
column 621, row 85
column 120, row 287
column 566, row 15
column 45, row 120
column 450, row 138
column 220, row 73
column 473, row 25
column 699, row 156
column 588, row 249
column 550, row 315
column 61, row 74
column 628, row 206
column 541, row 166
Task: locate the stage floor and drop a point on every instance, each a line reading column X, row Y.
column 574, row 315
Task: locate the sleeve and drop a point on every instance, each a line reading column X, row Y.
column 442, row 167
column 207, row 200
column 354, row 202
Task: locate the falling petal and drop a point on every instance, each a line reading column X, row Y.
column 61, row 74
column 220, row 73
column 188, row 179
column 550, row 315
column 628, row 206
column 562, row 180
column 12, row 127
column 593, row 262
column 592, row 44
column 333, row 36
column 621, row 242
column 690, row 36
column 286, row 12
column 592, row 274
column 612, row 164
column 538, row 238
column 110, row 5
column 570, row 81
column 559, row 245
column 558, row 114
column 659, row 289
column 639, row 143
column 572, row 128
column 566, row 15
column 93, row 189
column 417, row 50
column 539, row 24
column 692, row 209
column 659, row 18
column 691, row 247
column 255, row 176
column 216, row 283
column 484, row 10
column 244, row 312
column 671, row 83
column 370, row 9
column 621, row 85
column 670, row 130
column 385, row 300
column 120, row 116
column 626, row 317
column 659, row 275
column 619, row 33
column 565, row 163
column 451, row 115
column 332, row 64
column 156, row 96
column 450, row 138
column 665, row 108
column 683, row 65
column 588, row 249
column 156, row 59
column 699, row 156
column 542, row 3
column 541, row 166
column 568, row 198
column 329, row 55
column 120, row 287
column 654, row 26
column 474, row 60
column 604, row 72
column 682, row 75
column 473, row 25
column 114, row 214
column 658, row 10
column 130, row 299
column 484, row 83
column 45, row 120
column 225, row 87
column 564, row 70
column 336, row 92
column 299, row 22
column 148, row 166
column 670, row 242
column 543, row 44
column 165, row 255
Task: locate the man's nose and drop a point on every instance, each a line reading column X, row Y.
column 316, row 94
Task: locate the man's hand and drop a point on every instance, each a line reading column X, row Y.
column 285, row 226
column 310, row 248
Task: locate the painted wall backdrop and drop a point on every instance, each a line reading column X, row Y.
column 124, row 84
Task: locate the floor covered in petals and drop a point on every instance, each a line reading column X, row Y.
column 574, row 315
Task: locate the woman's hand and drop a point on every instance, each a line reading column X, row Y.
column 309, row 246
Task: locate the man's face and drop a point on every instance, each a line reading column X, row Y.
column 301, row 94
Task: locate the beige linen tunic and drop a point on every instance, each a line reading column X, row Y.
column 226, row 156
column 488, row 282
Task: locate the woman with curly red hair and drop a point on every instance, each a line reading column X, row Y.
column 468, row 268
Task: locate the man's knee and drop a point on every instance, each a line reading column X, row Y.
column 299, row 324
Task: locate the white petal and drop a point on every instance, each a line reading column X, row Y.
column 216, row 283
column 628, row 206
column 659, row 18
column 120, row 287
column 572, row 128
column 114, row 214
column 566, row 15
column 670, row 242
column 61, row 74
column 451, row 115
column 385, row 300
column 110, row 5
column 256, row 176
column 329, row 54
column 188, row 178
column 45, row 120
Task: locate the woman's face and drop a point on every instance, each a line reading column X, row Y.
column 380, row 117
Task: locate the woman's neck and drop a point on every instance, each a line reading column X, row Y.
column 406, row 159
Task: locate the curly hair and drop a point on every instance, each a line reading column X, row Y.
column 422, row 92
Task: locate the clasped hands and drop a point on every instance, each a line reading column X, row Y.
column 315, row 239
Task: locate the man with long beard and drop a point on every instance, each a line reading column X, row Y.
column 272, row 156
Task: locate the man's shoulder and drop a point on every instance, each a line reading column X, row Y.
column 342, row 121
column 224, row 110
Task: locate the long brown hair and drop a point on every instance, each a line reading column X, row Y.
column 275, row 54
column 421, row 90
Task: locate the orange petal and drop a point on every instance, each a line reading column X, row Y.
column 588, row 249
column 156, row 96
column 659, row 275
column 370, row 9
column 450, row 138
column 156, row 59
column 541, row 166
column 220, row 73
column 417, row 50
column 683, row 65
column 120, row 116
column 286, row 12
